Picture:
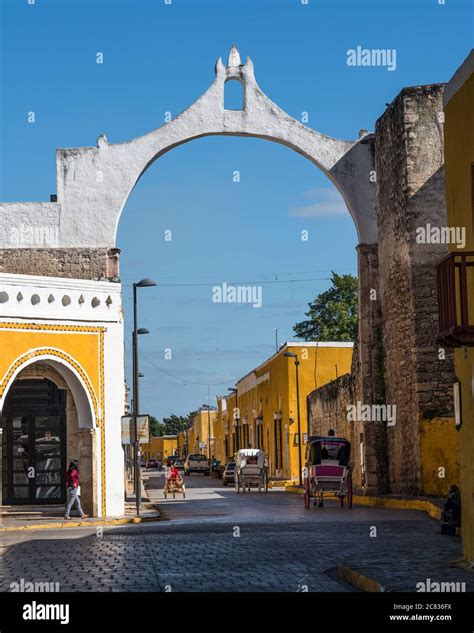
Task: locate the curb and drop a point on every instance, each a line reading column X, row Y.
column 434, row 511
column 429, row 507
column 358, row 580
column 74, row 524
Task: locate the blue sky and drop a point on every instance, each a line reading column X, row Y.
column 160, row 58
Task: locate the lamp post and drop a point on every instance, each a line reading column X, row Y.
column 236, row 420
column 144, row 283
column 297, row 362
column 276, row 329
column 206, row 406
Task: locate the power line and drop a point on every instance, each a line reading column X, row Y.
column 191, row 382
column 273, row 274
column 240, row 283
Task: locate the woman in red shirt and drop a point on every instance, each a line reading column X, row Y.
column 73, row 488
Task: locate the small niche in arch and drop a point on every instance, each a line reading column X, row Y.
column 95, row 302
column 233, row 95
column 66, row 300
column 35, row 299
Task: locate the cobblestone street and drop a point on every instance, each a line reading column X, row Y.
column 216, row 540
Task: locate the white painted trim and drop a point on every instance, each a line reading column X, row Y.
column 42, row 298
column 41, row 281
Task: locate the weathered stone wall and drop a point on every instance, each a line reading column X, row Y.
column 327, row 409
column 398, row 362
column 76, row 263
column 410, row 194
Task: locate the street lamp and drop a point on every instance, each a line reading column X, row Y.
column 206, row 406
column 297, row 362
column 276, row 330
column 144, row 283
column 236, row 420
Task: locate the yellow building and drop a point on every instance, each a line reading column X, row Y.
column 182, row 440
column 263, row 411
column 456, row 274
column 198, row 433
column 61, row 390
column 160, row 447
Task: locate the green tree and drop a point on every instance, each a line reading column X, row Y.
column 333, row 314
column 154, row 427
column 171, row 425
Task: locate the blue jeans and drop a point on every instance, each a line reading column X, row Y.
column 73, row 498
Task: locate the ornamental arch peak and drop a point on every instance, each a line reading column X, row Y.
column 93, row 183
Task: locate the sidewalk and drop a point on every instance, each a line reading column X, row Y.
column 423, row 561
column 34, row 517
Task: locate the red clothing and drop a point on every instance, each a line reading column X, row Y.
column 72, row 479
column 174, row 473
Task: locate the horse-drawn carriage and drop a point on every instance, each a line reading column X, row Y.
column 250, row 470
column 327, row 469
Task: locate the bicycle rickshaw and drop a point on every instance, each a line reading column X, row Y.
column 327, row 469
column 174, row 485
column 250, row 470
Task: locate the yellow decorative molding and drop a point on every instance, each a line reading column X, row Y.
column 97, row 395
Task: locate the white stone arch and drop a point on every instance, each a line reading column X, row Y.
column 94, row 183
column 83, row 395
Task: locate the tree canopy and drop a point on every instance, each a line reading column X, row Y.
column 171, row 425
column 333, row 314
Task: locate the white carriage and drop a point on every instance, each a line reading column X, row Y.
column 250, row 470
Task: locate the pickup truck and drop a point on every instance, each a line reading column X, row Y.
column 196, row 464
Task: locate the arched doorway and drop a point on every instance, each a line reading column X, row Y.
column 47, row 421
column 34, row 446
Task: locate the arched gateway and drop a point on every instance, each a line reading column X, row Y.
column 74, row 236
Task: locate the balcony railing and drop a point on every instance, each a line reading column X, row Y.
column 455, row 275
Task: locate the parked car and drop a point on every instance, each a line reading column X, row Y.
column 196, row 464
column 228, row 474
column 179, row 463
column 152, row 463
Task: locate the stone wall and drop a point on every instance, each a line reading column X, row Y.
column 75, row 263
column 399, row 361
column 410, row 194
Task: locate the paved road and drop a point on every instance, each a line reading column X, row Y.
column 216, row 540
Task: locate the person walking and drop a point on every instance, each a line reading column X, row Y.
column 74, row 490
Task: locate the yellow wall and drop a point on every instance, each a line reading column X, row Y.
column 199, row 431
column 160, row 447
column 218, row 442
column 439, row 446
column 271, row 389
column 78, row 345
column 182, row 444
column 191, row 441
column 459, row 155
